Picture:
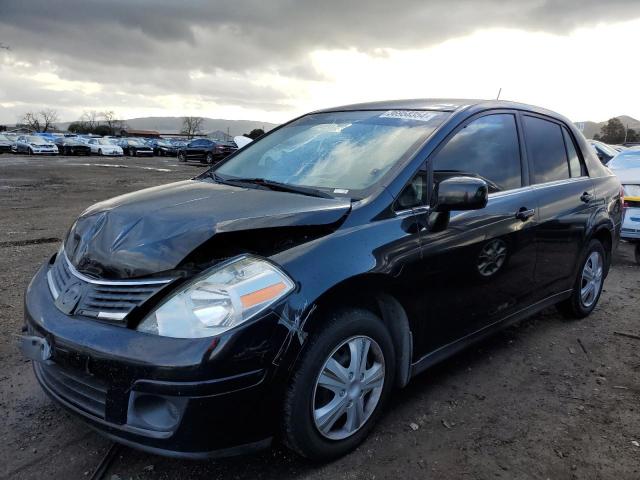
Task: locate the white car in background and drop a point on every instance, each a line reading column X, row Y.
column 103, row 146
column 626, row 166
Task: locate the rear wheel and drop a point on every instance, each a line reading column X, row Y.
column 30, row 151
column 339, row 390
column 133, row 152
column 588, row 285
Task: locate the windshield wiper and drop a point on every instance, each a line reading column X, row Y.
column 273, row 185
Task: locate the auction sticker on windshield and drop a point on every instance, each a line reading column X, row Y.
column 419, row 115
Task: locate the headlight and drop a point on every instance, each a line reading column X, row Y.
column 218, row 300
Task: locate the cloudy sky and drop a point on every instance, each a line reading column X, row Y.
column 271, row 60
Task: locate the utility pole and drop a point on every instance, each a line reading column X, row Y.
column 626, row 131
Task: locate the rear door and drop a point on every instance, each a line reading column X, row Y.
column 478, row 264
column 567, row 199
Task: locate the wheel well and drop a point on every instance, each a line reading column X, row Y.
column 603, row 235
column 373, row 293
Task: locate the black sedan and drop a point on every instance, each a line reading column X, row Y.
column 288, row 291
column 135, row 147
column 72, row 146
column 163, row 148
column 206, row 151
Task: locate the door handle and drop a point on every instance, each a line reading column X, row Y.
column 586, row 197
column 525, row 213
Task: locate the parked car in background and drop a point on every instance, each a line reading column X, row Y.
column 206, row 150
column 104, row 146
column 604, row 151
column 135, row 147
column 241, row 140
column 289, row 290
column 626, row 166
column 72, row 146
column 51, row 137
column 618, row 148
column 5, row 144
column 162, row 147
column 34, row 145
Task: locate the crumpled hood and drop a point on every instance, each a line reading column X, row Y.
column 153, row 230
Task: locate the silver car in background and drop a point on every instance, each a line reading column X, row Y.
column 104, row 146
column 626, row 166
column 34, row 145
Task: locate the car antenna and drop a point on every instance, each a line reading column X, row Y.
column 499, row 92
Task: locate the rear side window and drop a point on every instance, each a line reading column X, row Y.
column 488, row 148
column 545, row 145
column 575, row 166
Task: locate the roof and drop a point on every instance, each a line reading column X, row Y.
column 441, row 104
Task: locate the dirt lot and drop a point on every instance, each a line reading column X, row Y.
column 544, row 399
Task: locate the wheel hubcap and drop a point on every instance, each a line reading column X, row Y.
column 591, row 279
column 492, row 257
column 348, row 387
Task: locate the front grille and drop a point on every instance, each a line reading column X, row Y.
column 78, row 388
column 107, row 300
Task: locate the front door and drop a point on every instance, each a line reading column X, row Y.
column 477, row 265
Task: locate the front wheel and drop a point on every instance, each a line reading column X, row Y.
column 133, row 152
column 182, row 157
column 588, row 284
column 100, row 152
column 209, row 159
column 339, row 390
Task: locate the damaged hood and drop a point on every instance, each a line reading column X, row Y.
column 153, row 230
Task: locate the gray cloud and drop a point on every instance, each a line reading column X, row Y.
column 152, row 45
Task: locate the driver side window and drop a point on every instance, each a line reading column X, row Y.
column 487, row 148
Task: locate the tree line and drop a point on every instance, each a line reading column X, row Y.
column 615, row 133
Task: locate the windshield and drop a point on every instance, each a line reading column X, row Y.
column 625, row 160
column 3, row 137
column 340, row 151
column 104, row 141
column 36, row 140
column 138, row 143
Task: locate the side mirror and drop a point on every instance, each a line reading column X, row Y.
column 461, row 193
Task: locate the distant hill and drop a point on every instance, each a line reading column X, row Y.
column 591, row 128
column 174, row 124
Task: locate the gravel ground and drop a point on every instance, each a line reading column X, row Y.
column 543, row 399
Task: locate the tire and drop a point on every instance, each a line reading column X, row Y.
column 579, row 305
column 100, row 152
column 30, row 152
column 209, row 158
column 182, row 157
column 306, row 400
column 637, row 253
column 133, row 152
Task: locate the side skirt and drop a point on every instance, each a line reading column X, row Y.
column 452, row 348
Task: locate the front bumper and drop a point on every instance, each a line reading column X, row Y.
column 176, row 397
column 631, row 224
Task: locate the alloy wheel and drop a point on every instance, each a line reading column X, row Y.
column 492, row 257
column 348, row 387
column 591, row 280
